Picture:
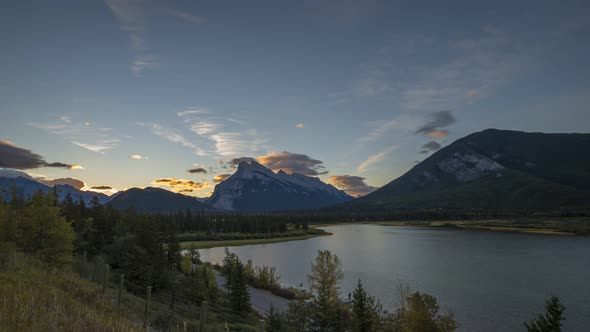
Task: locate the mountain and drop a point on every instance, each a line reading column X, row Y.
column 27, row 186
column 254, row 187
column 155, row 200
column 493, row 170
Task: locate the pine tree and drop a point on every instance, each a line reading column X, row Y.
column 550, row 321
column 325, row 278
column 275, row 321
column 365, row 310
column 239, row 294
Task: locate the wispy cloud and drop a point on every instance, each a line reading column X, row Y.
column 374, row 159
column 379, row 130
column 144, row 62
column 187, row 17
column 300, row 125
column 219, row 132
column 133, row 17
column 83, row 134
column 169, row 134
column 220, row 178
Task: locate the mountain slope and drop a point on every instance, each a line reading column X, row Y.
column 27, row 187
column 154, row 200
column 493, row 169
column 254, row 187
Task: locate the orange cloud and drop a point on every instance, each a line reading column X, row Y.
column 180, row 185
column 352, row 185
column 437, row 134
column 300, row 125
column 220, row 178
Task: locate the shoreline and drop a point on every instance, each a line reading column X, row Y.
column 236, row 243
column 464, row 225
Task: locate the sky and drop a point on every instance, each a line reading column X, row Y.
column 131, row 93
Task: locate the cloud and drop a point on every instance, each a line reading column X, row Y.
column 83, row 134
column 438, row 120
column 430, row 147
column 352, row 185
column 78, row 184
column 101, row 188
column 300, row 125
column 222, row 141
column 11, row 156
column 187, row 17
column 169, row 134
column 178, row 185
column 220, row 178
column 236, row 161
column 471, row 94
column 197, row 170
column 185, row 190
column 293, row 163
column 379, row 131
column 193, row 111
column 374, row 159
column 137, row 157
column 99, row 148
column 144, row 62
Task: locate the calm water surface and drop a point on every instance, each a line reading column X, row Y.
column 492, row 281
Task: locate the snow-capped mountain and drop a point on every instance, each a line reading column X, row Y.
column 254, row 187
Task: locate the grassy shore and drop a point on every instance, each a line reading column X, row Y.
column 552, row 227
column 243, row 242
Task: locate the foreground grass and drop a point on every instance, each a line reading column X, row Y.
column 35, row 298
column 554, row 227
column 233, row 243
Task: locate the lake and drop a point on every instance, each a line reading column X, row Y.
column 493, row 281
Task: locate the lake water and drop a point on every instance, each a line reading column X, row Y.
column 492, row 281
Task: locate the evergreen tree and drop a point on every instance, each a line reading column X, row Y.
column 550, row 321
column 275, row 320
column 365, row 310
column 239, row 295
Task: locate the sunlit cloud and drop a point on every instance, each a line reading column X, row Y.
column 178, row 185
column 300, row 125
column 220, row 178
column 293, row 163
column 137, row 157
column 374, row 159
column 438, row 120
column 352, row 185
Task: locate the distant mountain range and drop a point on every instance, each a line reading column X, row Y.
column 29, row 186
column 492, row 170
column 489, row 170
column 254, row 187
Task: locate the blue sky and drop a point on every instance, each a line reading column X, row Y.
column 188, row 84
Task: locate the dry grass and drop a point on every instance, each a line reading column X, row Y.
column 35, row 299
